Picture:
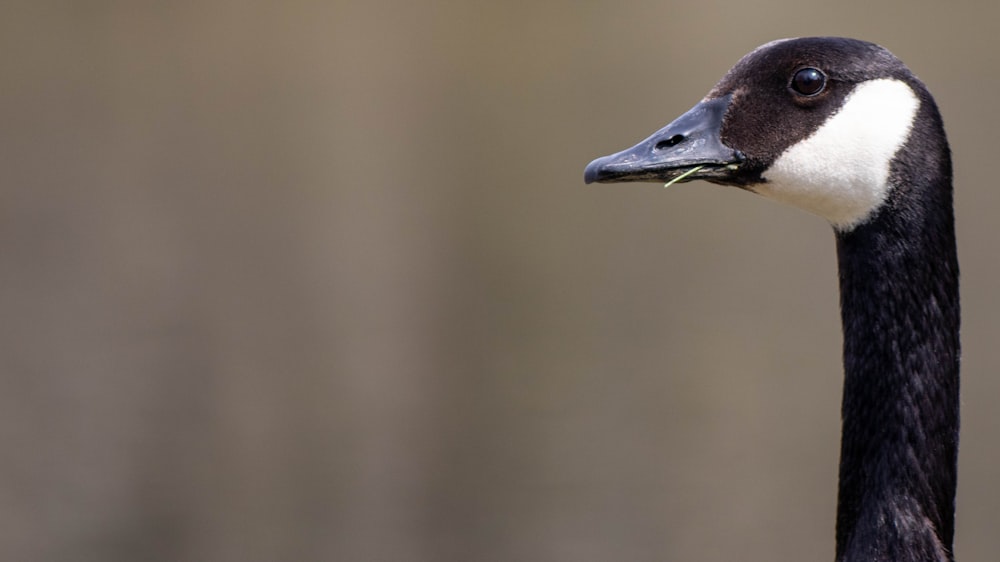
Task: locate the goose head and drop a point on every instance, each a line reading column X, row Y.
column 811, row 122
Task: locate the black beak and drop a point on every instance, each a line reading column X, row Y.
column 692, row 140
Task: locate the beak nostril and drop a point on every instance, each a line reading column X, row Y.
column 672, row 141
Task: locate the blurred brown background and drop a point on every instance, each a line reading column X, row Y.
column 321, row 281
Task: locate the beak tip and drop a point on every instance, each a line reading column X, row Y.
column 593, row 170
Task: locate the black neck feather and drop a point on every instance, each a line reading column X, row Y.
column 900, row 310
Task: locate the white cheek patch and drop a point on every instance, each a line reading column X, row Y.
column 841, row 172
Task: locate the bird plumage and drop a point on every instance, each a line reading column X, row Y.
column 841, row 128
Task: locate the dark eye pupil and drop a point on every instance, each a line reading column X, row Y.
column 808, row 81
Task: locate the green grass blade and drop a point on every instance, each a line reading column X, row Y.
column 682, row 176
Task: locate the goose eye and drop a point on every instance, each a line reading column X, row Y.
column 808, row 81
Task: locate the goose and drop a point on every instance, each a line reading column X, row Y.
column 842, row 129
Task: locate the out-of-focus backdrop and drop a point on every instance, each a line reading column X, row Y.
column 322, row 281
